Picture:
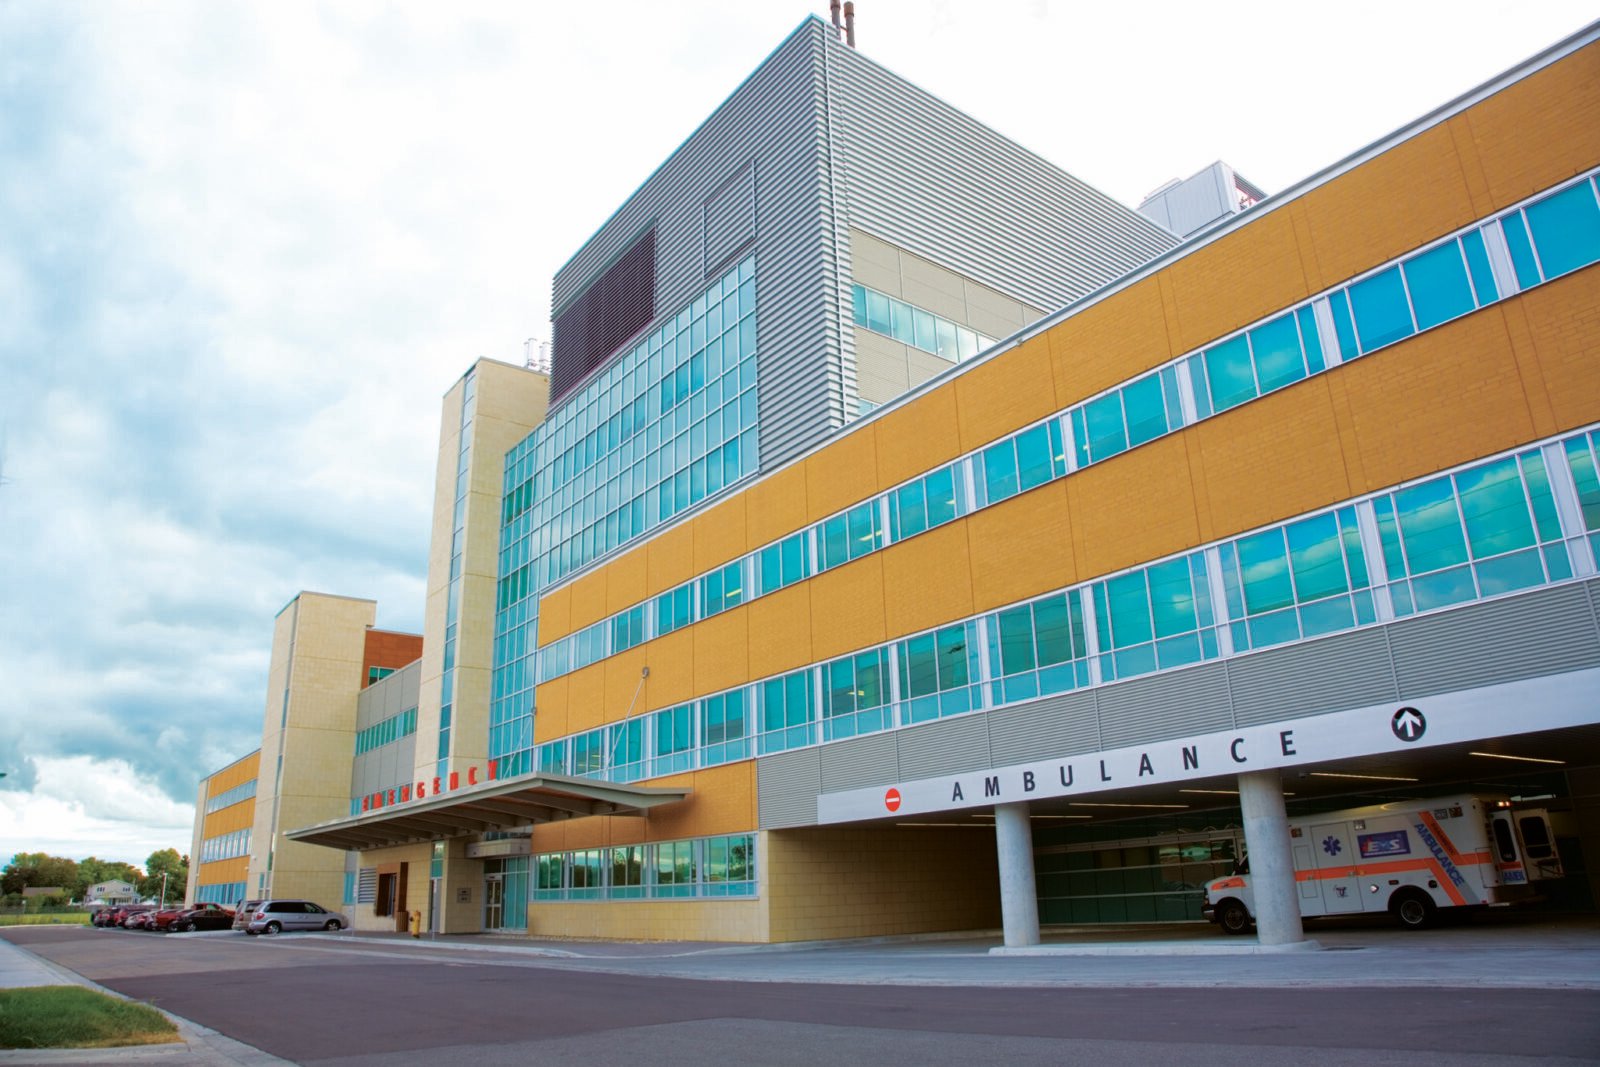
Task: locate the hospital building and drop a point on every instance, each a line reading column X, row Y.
column 905, row 536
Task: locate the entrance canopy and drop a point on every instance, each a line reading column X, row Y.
column 492, row 806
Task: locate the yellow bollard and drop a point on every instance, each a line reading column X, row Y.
column 416, row 924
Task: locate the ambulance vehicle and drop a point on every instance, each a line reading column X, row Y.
column 1409, row 858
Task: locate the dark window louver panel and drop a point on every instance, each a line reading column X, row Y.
column 617, row 305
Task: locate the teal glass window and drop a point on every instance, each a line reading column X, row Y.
column 1229, row 377
column 1016, row 643
column 1310, row 340
column 1566, row 229
column 913, row 326
column 1478, row 266
column 1276, row 347
column 1036, row 455
column 1381, row 312
column 1145, row 404
column 864, row 529
column 783, row 563
column 674, row 740
column 1343, row 328
column 1581, row 461
column 1430, row 526
column 878, row 313
column 1264, row 572
column 1494, row 508
column 1437, row 280
column 1080, row 437
column 625, row 750
column 856, row 694
column 1107, row 433
column 834, row 541
column 786, row 711
column 675, row 608
column 553, row 757
column 909, row 515
column 1000, row 471
column 723, row 727
column 935, row 670
column 1522, row 261
column 1540, row 495
column 1316, row 558
column 943, row 505
column 1128, row 619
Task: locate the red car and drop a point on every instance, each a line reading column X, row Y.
column 120, row 915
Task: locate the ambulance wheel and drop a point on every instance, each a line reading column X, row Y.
column 1414, row 909
column 1233, row 918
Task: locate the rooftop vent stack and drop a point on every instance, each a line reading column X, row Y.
column 838, row 27
column 850, row 22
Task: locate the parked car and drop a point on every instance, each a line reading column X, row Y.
column 101, row 916
column 161, row 919
column 276, row 916
column 139, row 920
column 202, row 917
column 120, row 915
column 242, row 913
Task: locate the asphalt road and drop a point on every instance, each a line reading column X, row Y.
column 319, row 1001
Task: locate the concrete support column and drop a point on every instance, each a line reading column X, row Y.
column 1266, row 835
column 1019, row 899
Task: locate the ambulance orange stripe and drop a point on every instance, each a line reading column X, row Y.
column 1388, row 867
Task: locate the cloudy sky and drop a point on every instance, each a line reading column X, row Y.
column 245, row 247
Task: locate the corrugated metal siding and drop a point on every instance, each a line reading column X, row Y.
column 946, row 747
column 877, row 153
column 1183, row 702
column 929, row 178
column 787, row 786
column 1055, row 726
column 773, row 124
column 859, row 762
column 1545, row 632
column 1346, row 671
column 730, row 219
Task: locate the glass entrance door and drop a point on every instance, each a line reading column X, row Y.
column 494, row 899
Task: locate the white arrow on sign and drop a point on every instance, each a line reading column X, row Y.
column 1408, row 724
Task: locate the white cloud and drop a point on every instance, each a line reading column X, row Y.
column 83, row 807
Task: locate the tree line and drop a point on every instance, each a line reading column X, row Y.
column 35, row 870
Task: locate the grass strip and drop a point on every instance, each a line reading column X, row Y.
column 72, row 1016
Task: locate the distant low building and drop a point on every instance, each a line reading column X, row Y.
column 115, row 891
column 33, row 892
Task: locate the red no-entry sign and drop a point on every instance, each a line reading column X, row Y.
column 891, row 800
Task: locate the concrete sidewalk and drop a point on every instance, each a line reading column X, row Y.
column 197, row 1046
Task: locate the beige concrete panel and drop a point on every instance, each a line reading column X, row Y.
column 469, row 717
column 460, row 913
column 878, row 881
column 865, row 248
column 944, row 297
column 883, row 277
column 915, row 270
column 920, row 366
column 991, row 312
column 723, row 919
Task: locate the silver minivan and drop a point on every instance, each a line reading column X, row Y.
column 276, row 916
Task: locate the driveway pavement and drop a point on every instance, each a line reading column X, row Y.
column 1363, row 969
